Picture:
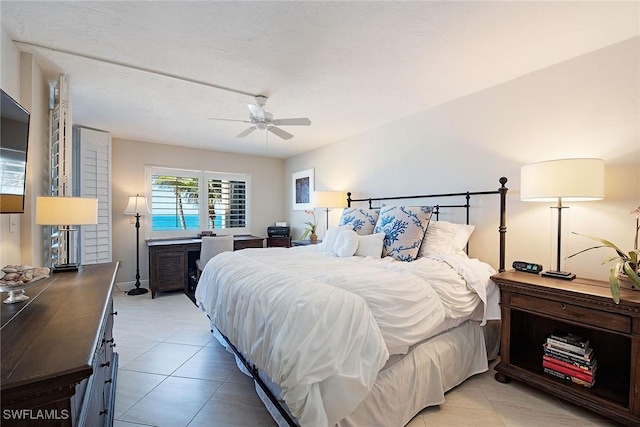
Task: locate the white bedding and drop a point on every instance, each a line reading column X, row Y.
column 322, row 327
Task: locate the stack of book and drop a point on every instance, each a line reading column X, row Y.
column 568, row 356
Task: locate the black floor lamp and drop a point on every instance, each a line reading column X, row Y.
column 137, row 206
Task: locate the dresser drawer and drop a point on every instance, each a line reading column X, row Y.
column 577, row 313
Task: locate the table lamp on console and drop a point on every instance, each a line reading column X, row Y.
column 565, row 180
column 65, row 213
column 137, row 206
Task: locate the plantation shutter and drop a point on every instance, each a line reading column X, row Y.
column 94, row 153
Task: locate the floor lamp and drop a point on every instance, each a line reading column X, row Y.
column 566, row 180
column 329, row 200
column 137, row 206
column 65, row 213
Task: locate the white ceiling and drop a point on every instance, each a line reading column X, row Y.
column 348, row 66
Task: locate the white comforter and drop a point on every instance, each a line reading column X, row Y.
column 322, row 327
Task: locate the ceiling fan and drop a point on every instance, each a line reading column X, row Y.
column 263, row 120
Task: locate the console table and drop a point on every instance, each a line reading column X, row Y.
column 533, row 306
column 170, row 261
column 58, row 364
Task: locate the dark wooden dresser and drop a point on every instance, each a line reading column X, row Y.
column 534, row 306
column 58, row 361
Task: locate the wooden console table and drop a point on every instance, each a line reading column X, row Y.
column 533, row 306
column 58, row 364
column 171, row 260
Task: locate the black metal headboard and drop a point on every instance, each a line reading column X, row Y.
column 502, row 192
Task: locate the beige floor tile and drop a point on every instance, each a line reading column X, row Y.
column 162, row 359
column 132, row 386
column 446, row 416
column 209, row 363
column 173, row 403
column 518, row 416
column 233, row 405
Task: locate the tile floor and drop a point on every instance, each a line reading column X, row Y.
column 173, row 374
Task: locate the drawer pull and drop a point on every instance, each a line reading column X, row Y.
column 563, row 306
column 104, row 411
column 106, row 364
column 107, row 341
column 110, row 380
column 113, row 345
column 115, row 313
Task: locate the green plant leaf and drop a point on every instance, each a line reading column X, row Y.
column 606, row 243
column 614, row 285
column 632, row 274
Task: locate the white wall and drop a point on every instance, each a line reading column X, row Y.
column 585, row 107
column 22, row 78
column 129, row 159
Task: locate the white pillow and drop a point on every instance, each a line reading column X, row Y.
column 346, row 243
column 370, row 245
column 443, row 237
column 328, row 241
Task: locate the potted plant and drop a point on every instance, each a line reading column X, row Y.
column 626, row 268
column 311, row 228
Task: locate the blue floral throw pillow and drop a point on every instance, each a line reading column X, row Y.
column 404, row 228
column 361, row 221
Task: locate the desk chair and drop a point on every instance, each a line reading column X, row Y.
column 210, row 247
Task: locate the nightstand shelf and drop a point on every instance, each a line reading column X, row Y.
column 534, row 306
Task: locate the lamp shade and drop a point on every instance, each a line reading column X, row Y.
column 137, row 205
column 57, row 210
column 330, row 199
column 573, row 180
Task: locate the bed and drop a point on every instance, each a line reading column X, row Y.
column 370, row 326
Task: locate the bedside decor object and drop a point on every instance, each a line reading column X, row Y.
column 312, row 227
column 624, row 272
column 302, row 187
column 66, row 212
column 569, row 180
column 329, row 200
column 137, row 206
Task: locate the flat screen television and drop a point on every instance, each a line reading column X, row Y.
column 14, row 141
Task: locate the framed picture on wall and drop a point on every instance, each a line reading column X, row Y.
column 302, row 185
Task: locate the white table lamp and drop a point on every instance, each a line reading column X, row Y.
column 65, row 212
column 566, row 180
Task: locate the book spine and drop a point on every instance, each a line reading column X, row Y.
column 585, row 358
column 579, row 362
column 570, row 372
column 578, row 369
column 569, row 378
column 571, row 339
column 566, row 346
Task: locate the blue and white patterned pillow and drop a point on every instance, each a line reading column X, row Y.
column 404, row 228
column 362, row 221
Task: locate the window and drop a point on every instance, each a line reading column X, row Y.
column 184, row 202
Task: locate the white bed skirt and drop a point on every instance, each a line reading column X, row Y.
column 415, row 381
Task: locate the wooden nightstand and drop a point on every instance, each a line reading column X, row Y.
column 533, row 306
column 278, row 242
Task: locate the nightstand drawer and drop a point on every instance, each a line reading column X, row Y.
column 572, row 312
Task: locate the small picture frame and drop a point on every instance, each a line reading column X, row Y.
column 303, row 186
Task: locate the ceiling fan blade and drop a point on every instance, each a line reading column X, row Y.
column 256, row 111
column 230, row 120
column 301, row 121
column 246, row 132
column 277, row 131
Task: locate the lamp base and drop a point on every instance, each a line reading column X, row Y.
column 138, row 291
column 564, row 275
column 62, row 268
